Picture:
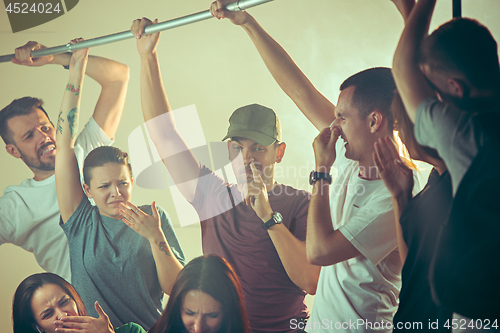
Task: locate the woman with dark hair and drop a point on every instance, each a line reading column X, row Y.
column 45, row 302
column 206, row 297
column 418, row 220
column 123, row 256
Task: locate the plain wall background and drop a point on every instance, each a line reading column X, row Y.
column 215, row 66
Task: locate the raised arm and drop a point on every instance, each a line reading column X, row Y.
column 111, row 75
column 182, row 164
column 287, row 74
column 410, row 81
column 69, row 189
column 325, row 246
column 405, row 7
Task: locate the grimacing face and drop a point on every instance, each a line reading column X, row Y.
column 34, row 141
column 243, row 151
column 200, row 312
column 111, row 184
column 353, row 129
column 50, row 303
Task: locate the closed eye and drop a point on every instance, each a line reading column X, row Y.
column 189, row 312
column 47, row 314
column 213, row 314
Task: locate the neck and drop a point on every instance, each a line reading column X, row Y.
column 39, row 175
column 368, row 170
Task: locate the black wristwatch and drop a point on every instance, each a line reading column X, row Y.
column 276, row 219
column 315, row 176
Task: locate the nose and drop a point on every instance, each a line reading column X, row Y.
column 60, row 314
column 336, row 124
column 247, row 156
column 198, row 325
column 115, row 191
column 43, row 136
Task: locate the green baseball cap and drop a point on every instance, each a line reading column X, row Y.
column 255, row 122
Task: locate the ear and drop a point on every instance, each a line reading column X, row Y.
column 229, row 150
column 12, row 150
column 86, row 189
column 375, row 119
column 456, row 87
column 280, row 151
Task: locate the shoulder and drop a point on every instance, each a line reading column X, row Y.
column 84, row 214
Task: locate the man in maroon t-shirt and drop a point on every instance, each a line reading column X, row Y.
column 257, row 225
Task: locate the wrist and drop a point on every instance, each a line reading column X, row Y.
column 62, row 59
column 249, row 22
column 322, row 167
column 149, row 55
column 157, row 238
column 267, row 216
column 403, row 198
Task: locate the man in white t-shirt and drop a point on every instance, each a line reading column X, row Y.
column 29, row 213
column 352, row 234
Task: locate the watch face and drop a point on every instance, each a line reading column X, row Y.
column 278, row 218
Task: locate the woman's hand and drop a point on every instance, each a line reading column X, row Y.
column 397, row 177
column 79, row 58
column 148, row 226
column 85, row 324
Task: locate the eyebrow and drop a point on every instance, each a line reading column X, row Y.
column 47, row 310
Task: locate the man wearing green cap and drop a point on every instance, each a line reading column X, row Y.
column 351, row 230
column 257, row 225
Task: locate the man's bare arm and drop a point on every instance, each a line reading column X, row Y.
column 410, row 81
column 111, row 75
column 184, row 167
column 315, row 106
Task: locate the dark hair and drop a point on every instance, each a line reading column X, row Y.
column 463, row 46
column 23, row 319
column 101, row 156
column 212, row 275
column 374, row 90
column 18, row 107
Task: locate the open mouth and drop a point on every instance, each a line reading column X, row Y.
column 345, row 141
column 47, row 149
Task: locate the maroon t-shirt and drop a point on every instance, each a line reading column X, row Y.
column 232, row 230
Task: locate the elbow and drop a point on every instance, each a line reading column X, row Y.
column 313, row 255
column 125, row 74
column 311, row 286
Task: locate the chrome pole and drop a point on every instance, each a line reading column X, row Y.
column 235, row 7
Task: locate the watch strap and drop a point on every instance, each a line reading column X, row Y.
column 275, row 219
column 315, row 176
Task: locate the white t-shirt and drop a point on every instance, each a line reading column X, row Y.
column 361, row 293
column 29, row 212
